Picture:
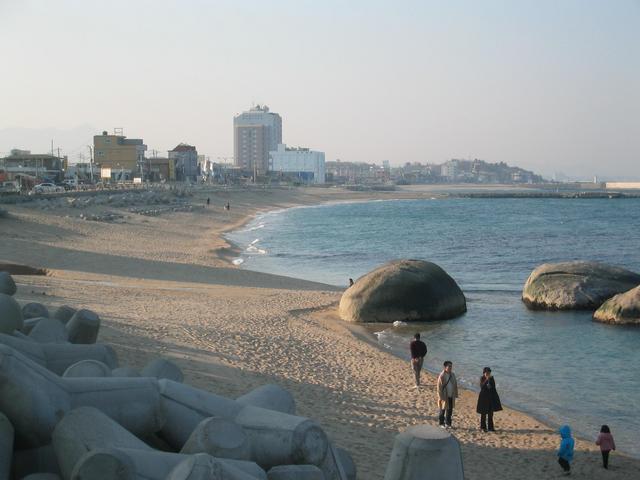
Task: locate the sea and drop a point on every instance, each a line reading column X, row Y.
column 560, row 367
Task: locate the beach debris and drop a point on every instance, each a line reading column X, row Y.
column 87, row 368
column 575, row 285
column 163, row 368
column 623, row 309
column 83, row 327
column 10, row 314
column 404, row 290
column 57, row 357
column 38, row 398
column 7, row 285
column 64, row 313
column 48, row 330
column 295, row 472
column 425, row 452
column 33, row 310
column 6, row 446
column 271, row 397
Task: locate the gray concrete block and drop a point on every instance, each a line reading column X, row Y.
column 162, row 368
column 35, row 399
column 6, row 446
column 10, row 314
column 425, row 452
column 83, row 327
column 7, row 285
column 125, row 372
column 34, row 310
column 271, row 397
column 87, row 368
column 295, row 472
column 35, row 460
column 48, row 330
column 57, row 357
column 42, row 476
column 348, row 465
column 220, row 438
column 64, row 313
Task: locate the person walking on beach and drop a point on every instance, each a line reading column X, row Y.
column 488, row 400
column 208, row 201
column 447, row 391
column 606, row 443
column 351, row 282
column 418, row 351
column 565, row 452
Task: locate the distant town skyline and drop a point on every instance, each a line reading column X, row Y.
column 548, row 86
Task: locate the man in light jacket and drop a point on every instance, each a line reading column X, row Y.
column 447, row 393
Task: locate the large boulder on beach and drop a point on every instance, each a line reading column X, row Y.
column 623, row 309
column 575, row 285
column 405, row 290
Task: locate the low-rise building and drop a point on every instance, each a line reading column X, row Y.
column 119, row 154
column 38, row 165
column 185, row 159
column 303, row 164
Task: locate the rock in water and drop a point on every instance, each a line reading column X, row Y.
column 405, row 290
column 623, row 309
column 7, row 285
column 575, row 285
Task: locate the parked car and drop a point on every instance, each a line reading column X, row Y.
column 47, row 188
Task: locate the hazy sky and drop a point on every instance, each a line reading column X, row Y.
column 549, row 85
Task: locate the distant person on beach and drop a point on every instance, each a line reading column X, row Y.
column 227, row 206
column 418, row 351
column 351, row 282
column 488, row 400
column 565, row 452
column 606, row 443
column 208, row 201
column 447, row 390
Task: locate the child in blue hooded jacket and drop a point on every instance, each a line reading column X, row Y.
column 565, row 452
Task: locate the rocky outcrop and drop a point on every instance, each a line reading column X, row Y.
column 623, row 309
column 405, row 290
column 575, row 285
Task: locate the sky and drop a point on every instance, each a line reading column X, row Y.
column 548, row 85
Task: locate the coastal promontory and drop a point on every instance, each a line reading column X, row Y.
column 623, row 309
column 405, row 290
column 575, row 285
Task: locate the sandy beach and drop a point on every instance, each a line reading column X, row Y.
column 165, row 285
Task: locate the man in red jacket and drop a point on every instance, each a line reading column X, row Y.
column 418, row 352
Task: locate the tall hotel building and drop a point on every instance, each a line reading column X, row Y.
column 255, row 134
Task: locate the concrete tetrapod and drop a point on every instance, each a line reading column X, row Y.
column 64, row 313
column 6, row 446
column 10, row 314
column 125, row 372
column 48, row 330
column 205, row 467
column 425, row 452
column 162, row 368
column 29, row 324
column 34, row 399
column 271, row 397
column 42, row 476
column 91, row 445
column 275, row 438
column 7, row 285
column 83, row 327
column 135, row 464
column 35, row 460
column 295, row 472
column 218, row 437
column 348, row 465
column 34, row 310
column 87, row 368
column 57, row 357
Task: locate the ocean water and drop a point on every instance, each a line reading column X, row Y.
column 558, row 366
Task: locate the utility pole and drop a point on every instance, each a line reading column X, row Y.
column 90, row 162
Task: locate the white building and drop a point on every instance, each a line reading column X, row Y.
column 306, row 165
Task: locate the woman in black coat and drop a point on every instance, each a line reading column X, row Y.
column 488, row 400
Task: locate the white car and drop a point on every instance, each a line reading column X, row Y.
column 47, row 188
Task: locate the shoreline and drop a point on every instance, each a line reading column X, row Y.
column 231, row 329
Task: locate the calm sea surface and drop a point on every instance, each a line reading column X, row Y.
column 561, row 367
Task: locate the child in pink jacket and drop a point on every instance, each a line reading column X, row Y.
column 605, row 440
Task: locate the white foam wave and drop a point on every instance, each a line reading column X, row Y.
column 237, row 261
column 399, row 323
